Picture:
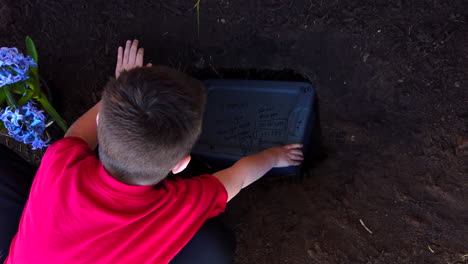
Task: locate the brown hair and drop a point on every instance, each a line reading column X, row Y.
column 149, row 120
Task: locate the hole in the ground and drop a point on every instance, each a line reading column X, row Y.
column 316, row 151
column 250, row 74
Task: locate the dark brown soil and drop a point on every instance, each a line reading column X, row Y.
column 392, row 81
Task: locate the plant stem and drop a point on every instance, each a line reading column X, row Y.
column 51, row 111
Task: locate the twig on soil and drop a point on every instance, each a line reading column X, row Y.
column 365, row 227
column 429, row 247
column 213, row 68
column 462, row 258
column 197, row 9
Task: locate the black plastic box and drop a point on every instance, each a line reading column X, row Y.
column 243, row 117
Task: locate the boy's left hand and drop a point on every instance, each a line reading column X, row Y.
column 251, row 168
column 288, row 155
column 131, row 57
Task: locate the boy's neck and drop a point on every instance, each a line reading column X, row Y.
column 117, row 178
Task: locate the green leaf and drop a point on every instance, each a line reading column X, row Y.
column 2, row 97
column 31, row 48
column 9, row 97
column 33, row 71
column 34, row 85
column 29, row 94
column 19, row 88
column 51, row 111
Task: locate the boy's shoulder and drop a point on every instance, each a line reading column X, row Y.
column 67, row 143
column 65, row 153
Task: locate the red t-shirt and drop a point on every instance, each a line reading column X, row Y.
column 78, row 213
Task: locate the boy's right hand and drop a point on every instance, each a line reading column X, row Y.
column 131, row 57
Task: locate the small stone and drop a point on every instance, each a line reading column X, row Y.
column 457, row 84
column 378, row 31
column 200, row 63
column 223, row 21
column 364, row 58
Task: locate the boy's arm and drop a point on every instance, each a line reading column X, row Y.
column 86, row 126
column 251, row 168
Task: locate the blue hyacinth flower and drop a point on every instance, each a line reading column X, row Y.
column 14, row 66
column 26, row 124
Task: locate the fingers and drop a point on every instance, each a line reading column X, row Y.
column 129, row 57
column 118, row 68
column 126, row 54
column 139, row 57
column 296, row 152
column 149, row 64
column 133, row 53
column 296, row 157
column 293, row 146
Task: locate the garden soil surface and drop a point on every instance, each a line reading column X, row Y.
column 391, row 77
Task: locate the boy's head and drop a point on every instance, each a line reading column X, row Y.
column 149, row 120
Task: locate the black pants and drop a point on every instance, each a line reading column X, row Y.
column 213, row 243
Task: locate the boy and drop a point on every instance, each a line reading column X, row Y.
column 120, row 208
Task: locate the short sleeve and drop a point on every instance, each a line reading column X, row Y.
column 64, row 154
column 200, row 197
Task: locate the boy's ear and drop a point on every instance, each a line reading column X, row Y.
column 182, row 165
